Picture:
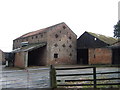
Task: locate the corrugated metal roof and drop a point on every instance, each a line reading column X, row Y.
column 106, row 39
column 30, row 47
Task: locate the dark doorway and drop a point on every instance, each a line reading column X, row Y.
column 82, row 56
column 116, row 56
column 36, row 57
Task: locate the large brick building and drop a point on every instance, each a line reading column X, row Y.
column 52, row 45
column 94, row 49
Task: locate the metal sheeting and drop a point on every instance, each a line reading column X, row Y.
column 30, row 47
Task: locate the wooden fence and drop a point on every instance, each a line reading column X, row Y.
column 54, row 75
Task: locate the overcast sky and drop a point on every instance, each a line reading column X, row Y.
column 18, row 17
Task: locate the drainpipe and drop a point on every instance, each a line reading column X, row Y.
column 6, row 63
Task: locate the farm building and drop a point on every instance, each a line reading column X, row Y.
column 94, row 49
column 115, row 53
column 52, row 45
column 2, row 57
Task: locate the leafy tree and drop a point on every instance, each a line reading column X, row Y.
column 117, row 30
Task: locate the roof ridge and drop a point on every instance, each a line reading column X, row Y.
column 38, row 31
column 104, row 38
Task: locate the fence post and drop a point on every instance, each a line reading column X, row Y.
column 94, row 76
column 53, row 82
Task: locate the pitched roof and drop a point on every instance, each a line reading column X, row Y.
column 38, row 31
column 115, row 45
column 106, row 39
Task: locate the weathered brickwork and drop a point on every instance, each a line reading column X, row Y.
column 60, row 48
column 19, row 59
column 61, row 41
column 2, row 57
column 100, row 56
column 37, row 38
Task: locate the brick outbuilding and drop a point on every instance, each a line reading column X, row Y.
column 94, row 48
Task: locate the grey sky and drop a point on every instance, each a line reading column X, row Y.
column 22, row 16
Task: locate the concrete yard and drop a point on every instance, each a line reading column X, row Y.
column 38, row 77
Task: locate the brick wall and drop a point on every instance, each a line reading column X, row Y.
column 100, row 56
column 2, row 56
column 19, row 59
column 41, row 37
column 62, row 41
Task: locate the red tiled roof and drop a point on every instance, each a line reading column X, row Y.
column 33, row 33
column 38, row 31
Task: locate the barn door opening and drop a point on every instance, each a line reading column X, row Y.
column 82, row 56
column 36, row 57
column 116, row 56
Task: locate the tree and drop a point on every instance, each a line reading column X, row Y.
column 117, row 30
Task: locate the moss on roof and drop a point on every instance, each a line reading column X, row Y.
column 106, row 39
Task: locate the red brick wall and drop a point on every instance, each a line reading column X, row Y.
column 19, row 59
column 100, row 56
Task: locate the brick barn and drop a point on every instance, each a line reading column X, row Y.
column 52, row 45
column 94, row 49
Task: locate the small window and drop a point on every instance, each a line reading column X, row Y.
column 70, row 46
column 60, row 31
column 70, row 37
column 56, row 45
column 63, row 45
column 36, row 36
column 64, row 27
column 56, row 35
column 32, row 37
column 70, row 54
column 55, row 55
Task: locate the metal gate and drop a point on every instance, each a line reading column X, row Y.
column 28, row 78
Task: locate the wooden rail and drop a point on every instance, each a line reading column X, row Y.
column 94, row 80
